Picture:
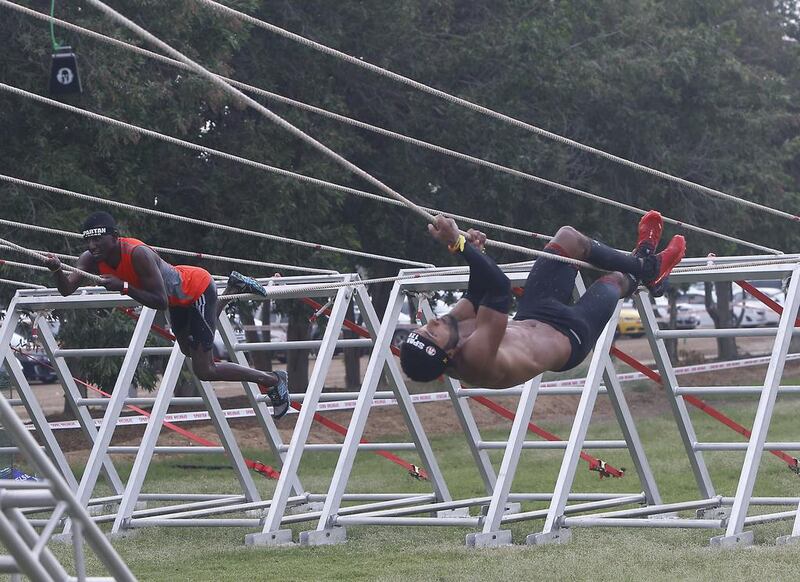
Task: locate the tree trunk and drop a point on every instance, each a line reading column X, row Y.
column 722, row 316
column 297, row 360
column 672, row 343
column 726, row 346
column 259, row 360
column 352, row 356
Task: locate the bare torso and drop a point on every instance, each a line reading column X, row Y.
column 527, row 349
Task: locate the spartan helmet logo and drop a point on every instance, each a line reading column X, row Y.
column 430, row 350
column 65, row 76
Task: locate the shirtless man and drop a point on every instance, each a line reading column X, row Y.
column 131, row 267
column 477, row 343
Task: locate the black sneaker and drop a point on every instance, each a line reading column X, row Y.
column 279, row 395
column 242, row 284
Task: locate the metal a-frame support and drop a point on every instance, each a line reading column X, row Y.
column 29, row 554
column 329, row 528
column 35, row 412
column 271, row 534
column 711, row 506
column 128, row 494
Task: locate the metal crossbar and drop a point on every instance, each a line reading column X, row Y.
column 500, row 504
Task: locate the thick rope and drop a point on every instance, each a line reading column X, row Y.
column 22, row 284
column 243, row 99
column 359, row 124
column 277, row 292
column 43, row 257
column 180, row 252
column 345, row 189
column 279, row 121
column 53, row 189
column 258, row 165
column 205, row 223
column 216, row 6
column 272, row 291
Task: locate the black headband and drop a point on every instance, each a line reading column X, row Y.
column 421, row 359
column 97, row 231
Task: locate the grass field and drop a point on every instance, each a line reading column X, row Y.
column 393, row 553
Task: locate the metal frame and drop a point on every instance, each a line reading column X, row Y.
column 289, row 494
column 711, row 507
column 127, row 495
column 29, row 554
column 501, row 506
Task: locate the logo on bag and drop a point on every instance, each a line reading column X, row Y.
column 65, row 76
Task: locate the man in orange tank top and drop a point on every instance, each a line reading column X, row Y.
column 189, row 294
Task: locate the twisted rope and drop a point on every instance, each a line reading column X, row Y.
column 217, row 7
column 277, row 292
column 184, row 253
column 383, row 199
column 279, row 121
column 22, row 284
column 206, row 223
column 43, row 257
column 359, row 124
column 273, row 291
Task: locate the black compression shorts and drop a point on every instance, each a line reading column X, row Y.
column 197, row 320
column 547, row 298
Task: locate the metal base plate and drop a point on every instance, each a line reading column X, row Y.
column 326, row 537
column 557, row 536
column 489, row 540
column 282, row 537
column 741, row 540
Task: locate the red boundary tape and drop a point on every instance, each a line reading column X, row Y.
column 699, row 404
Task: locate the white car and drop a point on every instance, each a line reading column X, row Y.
column 753, row 313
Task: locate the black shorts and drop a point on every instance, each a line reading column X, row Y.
column 197, row 320
column 548, row 298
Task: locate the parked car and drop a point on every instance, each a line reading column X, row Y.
column 629, row 323
column 36, row 367
column 753, row 313
column 35, row 363
column 686, row 316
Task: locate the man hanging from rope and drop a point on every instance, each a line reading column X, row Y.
column 477, row 343
column 131, row 267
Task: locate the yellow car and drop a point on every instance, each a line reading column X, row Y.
column 630, row 324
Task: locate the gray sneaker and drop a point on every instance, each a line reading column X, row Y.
column 242, row 284
column 279, row 395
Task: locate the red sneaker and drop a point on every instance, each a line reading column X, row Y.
column 650, row 228
column 668, row 258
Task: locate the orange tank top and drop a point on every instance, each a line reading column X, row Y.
column 184, row 284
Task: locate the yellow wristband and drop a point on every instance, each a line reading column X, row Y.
column 458, row 246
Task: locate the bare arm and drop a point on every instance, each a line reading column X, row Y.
column 66, row 283
column 152, row 292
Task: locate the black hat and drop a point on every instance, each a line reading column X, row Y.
column 98, row 224
column 421, row 359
